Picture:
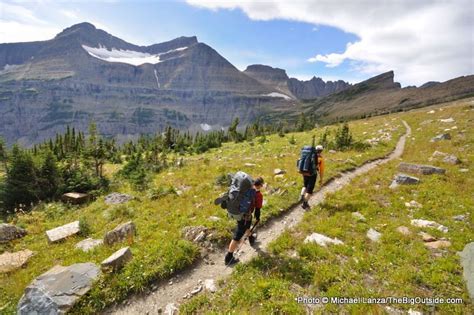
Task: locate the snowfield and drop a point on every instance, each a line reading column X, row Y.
column 131, row 57
column 276, row 94
column 206, row 127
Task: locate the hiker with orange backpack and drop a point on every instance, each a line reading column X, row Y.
column 310, row 164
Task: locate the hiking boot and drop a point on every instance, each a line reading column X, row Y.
column 302, row 198
column 229, row 257
column 305, row 205
column 252, row 239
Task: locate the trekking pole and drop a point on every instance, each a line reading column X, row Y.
column 242, row 243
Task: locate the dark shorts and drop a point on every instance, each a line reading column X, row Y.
column 309, row 183
column 242, row 226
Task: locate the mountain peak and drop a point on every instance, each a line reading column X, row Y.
column 81, row 27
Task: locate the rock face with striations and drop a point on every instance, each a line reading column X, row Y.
column 13, row 261
column 10, row 232
column 58, row 289
column 117, row 260
column 467, row 262
column 62, row 232
column 120, row 233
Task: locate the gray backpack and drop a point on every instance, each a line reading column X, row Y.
column 240, row 195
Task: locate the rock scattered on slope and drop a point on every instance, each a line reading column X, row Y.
column 413, row 204
column 467, row 262
column 88, row 244
column 322, row 240
column 358, row 216
column 117, row 198
column 195, row 234
column 447, row 120
column 13, row 261
column 420, row 169
column 117, row 260
column 120, row 233
column 210, row 285
column 427, row 237
column 10, row 232
column 460, row 217
column 438, row 244
column 443, row 136
column 278, row 171
column 404, row 230
column 373, row 235
column 58, row 289
column 430, row 224
column 62, row 232
column 438, row 154
column 403, row 179
column 171, row 309
column 452, row 159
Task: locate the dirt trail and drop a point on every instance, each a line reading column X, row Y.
column 173, row 290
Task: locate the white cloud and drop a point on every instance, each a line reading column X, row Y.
column 420, row 40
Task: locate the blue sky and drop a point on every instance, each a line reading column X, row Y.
column 303, row 38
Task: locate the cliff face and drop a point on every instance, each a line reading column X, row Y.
column 303, row 90
column 86, row 74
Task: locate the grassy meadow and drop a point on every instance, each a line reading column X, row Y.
column 185, row 197
column 398, row 265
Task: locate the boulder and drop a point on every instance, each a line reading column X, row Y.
column 413, row 204
column 467, row 263
column 443, row 136
column 426, row 237
column 438, row 244
column 452, row 159
column 75, row 198
column 322, row 240
column 62, row 232
column 438, row 154
column 171, row 309
column 447, row 120
column 278, row 171
column 404, row 230
column 10, row 232
column 117, row 198
column 117, row 260
column 12, row 261
column 430, row 224
column 460, row 217
column 403, row 179
column 373, row 235
column 420, row 169
column 120, row 233
column 57, row 290
column 88, row 244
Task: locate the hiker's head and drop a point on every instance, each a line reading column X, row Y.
column 319, row 148
column 258, row 182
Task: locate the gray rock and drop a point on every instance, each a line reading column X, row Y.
column 322, row 240
column 430, row 224
column 214, row 218
column 171, row 309
column 210, row 285
column 373, row 235
column 460, row 217
column 404, row 230
column 10, row 232
column 278, row 171
column 463, row 170
column 57, row 290
column 13, row 261
column 195, row 234
column 120, row 233
column 443, row 136
column 403, row 179
column 358, row 216
column 117, row 260
column 452, row 159
column 88, row 244
column 62, row 232
column 420, row 169
column 117, row 198
column 467, row 263
column 438, row 154
column 75, row 198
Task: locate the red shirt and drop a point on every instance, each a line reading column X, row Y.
column 258, row 200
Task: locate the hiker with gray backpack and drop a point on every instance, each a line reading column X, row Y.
column 241, row 201
column 310, row 164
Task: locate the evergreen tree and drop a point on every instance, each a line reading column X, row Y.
column 3, row 154
column 49, row 177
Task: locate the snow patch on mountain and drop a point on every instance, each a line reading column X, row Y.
column 281, row 95
column 132, row 57
column 206, row 127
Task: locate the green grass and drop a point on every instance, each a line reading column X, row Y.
column 396, row 266
column 159, row 249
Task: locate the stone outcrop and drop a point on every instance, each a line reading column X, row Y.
column 88, row 244
column 430, row 224
column 10, row 232
column 62, row 232
column 403, row 179
column 420, row 169
column 75, row 198
column 58, row 289
column 117, row 260
column 322, row 240
column 467, row 262
column 373, row 235
column 12, row 261
column 452, row 159
column 117, row 198
column 120, row 233
column 443, row 136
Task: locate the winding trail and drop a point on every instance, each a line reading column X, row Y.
column 173, row 290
